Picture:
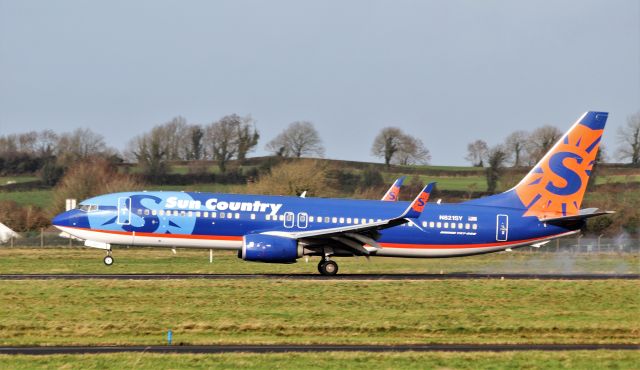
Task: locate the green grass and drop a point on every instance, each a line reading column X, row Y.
column 334, row 360
column 40, row 198
column 101, row 312
column 147, row 260
column 16, row 179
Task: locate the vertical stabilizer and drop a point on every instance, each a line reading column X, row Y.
column 556, row 185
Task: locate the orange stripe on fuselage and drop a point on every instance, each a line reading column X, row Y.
column 386, row 245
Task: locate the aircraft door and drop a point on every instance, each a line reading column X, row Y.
column 502, row 228
column 124, row 211
column 289, row 220
column 303, row 220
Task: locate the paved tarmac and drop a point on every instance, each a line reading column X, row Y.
column 50, row 350
column 452, row 276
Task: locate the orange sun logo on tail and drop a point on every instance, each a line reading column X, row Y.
column 557, row 183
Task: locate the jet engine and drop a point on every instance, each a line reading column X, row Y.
column 269, row 248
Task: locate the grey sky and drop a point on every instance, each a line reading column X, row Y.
column 448, row 72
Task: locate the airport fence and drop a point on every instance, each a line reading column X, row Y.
column 580, row 244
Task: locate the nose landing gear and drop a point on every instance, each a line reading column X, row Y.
column 108, row 259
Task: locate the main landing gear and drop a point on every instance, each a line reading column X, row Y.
column 327, row 267
column 108, row 259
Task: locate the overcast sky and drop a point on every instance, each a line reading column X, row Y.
column 447, row 72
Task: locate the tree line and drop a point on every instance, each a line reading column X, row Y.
column 234, row 137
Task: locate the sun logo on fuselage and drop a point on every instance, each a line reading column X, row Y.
column 557, row 184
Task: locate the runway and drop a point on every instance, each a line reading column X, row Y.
column 282, row 348
column 341, row 277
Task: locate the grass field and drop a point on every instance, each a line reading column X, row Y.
column 16, row 179
column 149, row 260
column 93, row 312
column 40, row 198
column 349, row 360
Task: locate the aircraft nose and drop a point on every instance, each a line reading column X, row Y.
column 62, row 219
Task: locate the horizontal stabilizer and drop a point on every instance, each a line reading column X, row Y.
column 583, row 214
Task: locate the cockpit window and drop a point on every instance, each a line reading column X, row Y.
column 88, row 207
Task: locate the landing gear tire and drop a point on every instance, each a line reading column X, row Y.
column 328, row 268
column 108, row 260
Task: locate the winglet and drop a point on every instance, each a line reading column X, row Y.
column 416, row 207
column 392, row 194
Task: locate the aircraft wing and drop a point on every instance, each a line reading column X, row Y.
column 355, row 236
column 394, row 191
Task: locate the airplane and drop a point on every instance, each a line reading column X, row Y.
column 543, row 206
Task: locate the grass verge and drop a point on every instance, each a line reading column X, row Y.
column 333, row 360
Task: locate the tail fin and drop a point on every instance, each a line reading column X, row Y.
column 556, row 185
column 394, row 191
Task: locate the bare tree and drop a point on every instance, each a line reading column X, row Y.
column 149, row 151
column 47, row 143
column 396, row 147
column 476, row 152
column 495, row 157
column 78, row 144
column 411, row 151
column 387, row 143
column 222, row 140
column 248, row 137
column 299, row 139
column 540, row 141
column 629, row 138
column 514, row 146
column 195, row 149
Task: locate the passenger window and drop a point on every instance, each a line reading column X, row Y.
column 198, row 214
column 154, row 212
column 183, row 213
column 467, row 226
column 326, row 220
column 237, row 216
column 475, row 226
column 356, row 221
column 206, row 215
column 460, row 226
column 222, row 215
column 348, row 220
column 446, row 225
column 453, row 225
column 334, row 220
column 439, row 225
column 213, row 215
column 431, row 224
column 424, row 223
column 253, row 216
column 161, row 212
column 310, row 218
column 341, row 220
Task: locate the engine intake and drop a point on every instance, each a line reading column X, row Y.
column 269, row 248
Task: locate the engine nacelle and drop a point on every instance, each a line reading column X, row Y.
column 269, row 248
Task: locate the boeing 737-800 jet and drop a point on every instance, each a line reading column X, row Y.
column 281, row 229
